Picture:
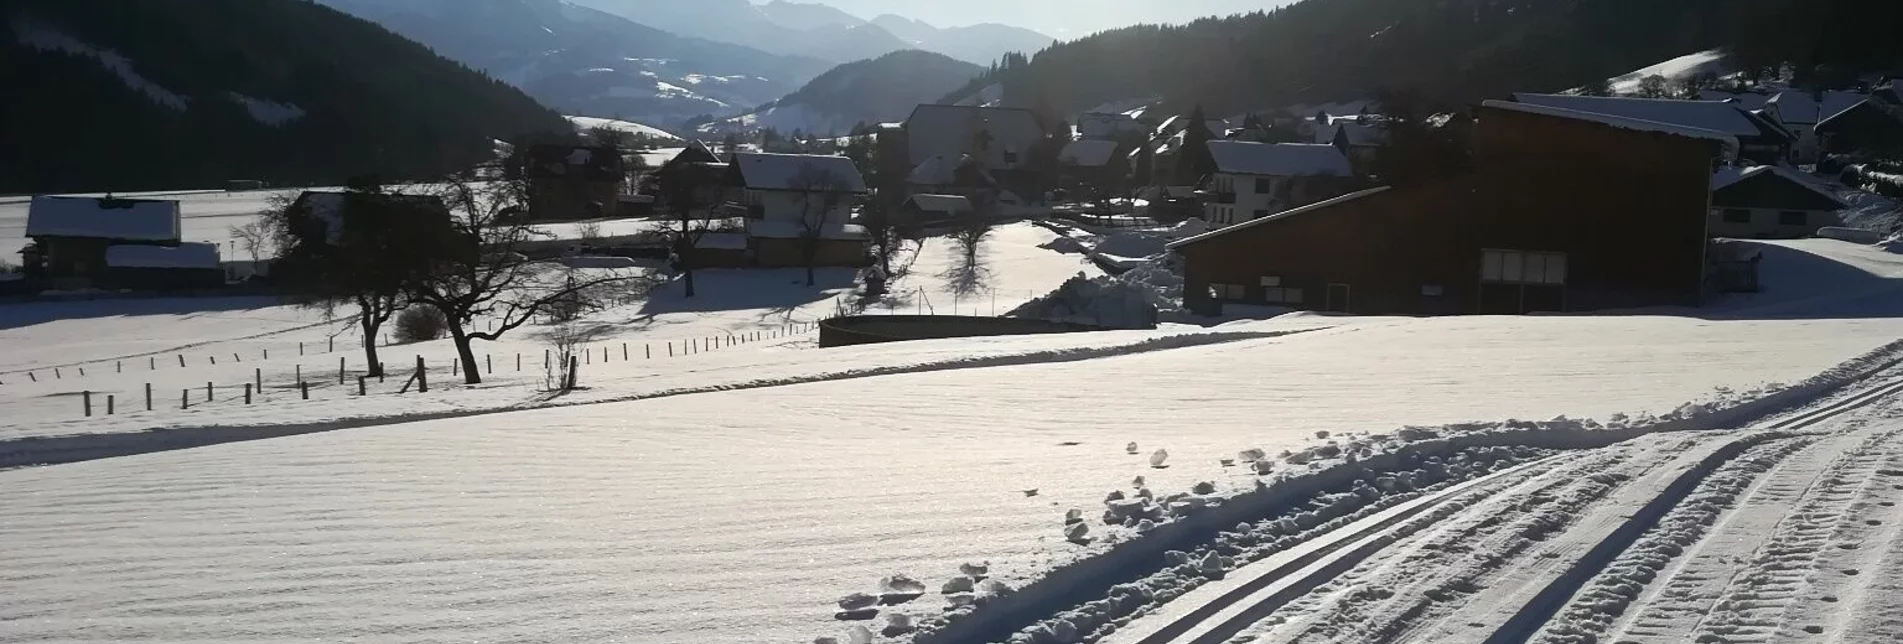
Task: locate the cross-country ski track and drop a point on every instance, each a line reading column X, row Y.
column 1781, row 531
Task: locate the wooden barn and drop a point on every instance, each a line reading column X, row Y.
column 71, row 235
column 1565, row 211
column 1769, row 202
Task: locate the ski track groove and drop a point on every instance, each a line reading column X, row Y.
column 1489, row 528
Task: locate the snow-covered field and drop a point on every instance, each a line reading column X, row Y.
column 736, row 495
column 585, row 123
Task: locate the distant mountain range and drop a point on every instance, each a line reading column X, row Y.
column 166, row 94
column 821, row 31
column 880, row 90
column 584, row 61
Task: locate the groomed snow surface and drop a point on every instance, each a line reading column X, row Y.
column 738, row 495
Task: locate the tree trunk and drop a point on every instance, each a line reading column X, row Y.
column 809, row 250
column 687, row 276
column 370, row 326
column 471, row 375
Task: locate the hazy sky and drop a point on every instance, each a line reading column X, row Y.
column 1059, row 18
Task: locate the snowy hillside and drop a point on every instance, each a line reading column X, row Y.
column 584, row 124
column 1678, row 69
column 885, row 89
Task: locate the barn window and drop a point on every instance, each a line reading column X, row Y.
column 1282, row 295
column 1228, row 292
column 1432, row 290
column 1793, row 218
column 1271, row 281
column 1737, row 216
column 1522, row 267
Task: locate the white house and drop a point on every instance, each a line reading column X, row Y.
column 1255, row 180
column 1798, row 111
column 787, row 199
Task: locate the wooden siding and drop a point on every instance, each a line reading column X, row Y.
column 1627, row 207
column 1384, row 247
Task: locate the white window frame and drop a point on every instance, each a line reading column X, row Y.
column 1535, row 268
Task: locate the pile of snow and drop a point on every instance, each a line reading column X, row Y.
column 1102, row 301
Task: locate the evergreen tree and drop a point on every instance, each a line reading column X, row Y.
column 1194, row 161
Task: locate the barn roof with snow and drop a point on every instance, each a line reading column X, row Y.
column 1279, row 159
column 1712, row 116
column 1622, row 122
column 1293, row 212
column 1088, row 153
column 948, row 204
column 149, row 220
column 1735, row 180
column 797, row 172
column 951, row 130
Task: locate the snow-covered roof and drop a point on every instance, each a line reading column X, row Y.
column 598, row 261
column 951, row 204
column 103, row 218
column 1279, row 159
column 1846, row 110
column 950, row 130
column 1729, row 176
column 1801, row 108
column 1714, row 116
column 1088, row 153
column 787, row 229
column 937, row 170
column 1276, row 217
column 798, row 172
column 1358, row 132
column 1622, row 122
column 187, row 255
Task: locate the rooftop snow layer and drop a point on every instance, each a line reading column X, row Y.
column 952, row 204
column 1728, row 176
column 799, row 172
column 1279, row 159
column 1636, row 124
column 1276, row 217
column 188, row 255
column 1713, row 116
column 782, row 229
column 103, row 218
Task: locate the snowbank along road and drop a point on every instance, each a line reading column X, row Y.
column 1785, row 530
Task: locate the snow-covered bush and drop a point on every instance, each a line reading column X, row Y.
column 421, row 324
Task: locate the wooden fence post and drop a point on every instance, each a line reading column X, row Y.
column 518, row 361
column 151, row 363
column 300, row 348
column 267, row 354
column 247, row 393
column 87, row 400
column 422, row 377
column 148, row 396
column 647, row 351
column 184, row 399
column 181, row 360
column 57, row 375
column 207, row 392
column 340, row 370
column 624, row 352
column 489, row 363
column 118, row 366
column 304, row 389
column 333, row 346
column 363, row 387
column 109, row 404
column 235, row 358
column 455, row 366
column 298, row 372
column 257, row 378
column 30, row 376
column 573, row 373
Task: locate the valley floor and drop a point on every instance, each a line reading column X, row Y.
column 1732, row 485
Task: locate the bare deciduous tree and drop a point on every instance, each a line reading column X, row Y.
column 692, row 192
column 252, row 238
column 352, row 249
column 821, row 192
column 480, row 271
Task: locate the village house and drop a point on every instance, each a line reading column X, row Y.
column 1094, row 163
column 925, row 209
column 1760, row 138
column 998, row 140
column 1797, row 111
column 1869, row 127
column 1255, row 180
column 71, row 235
column 186, row 266
column 1565, row 211
column 790, row 200
column 571, row 182
column 1108, row 126
column 1358, row 137
column 1769, row 202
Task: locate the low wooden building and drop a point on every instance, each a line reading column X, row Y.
column 187, row 266
column 1377, row 251
column 791, row 200
column 1769, row 202
column 71, row 235
column 1565, row 211
column 1870, row 127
